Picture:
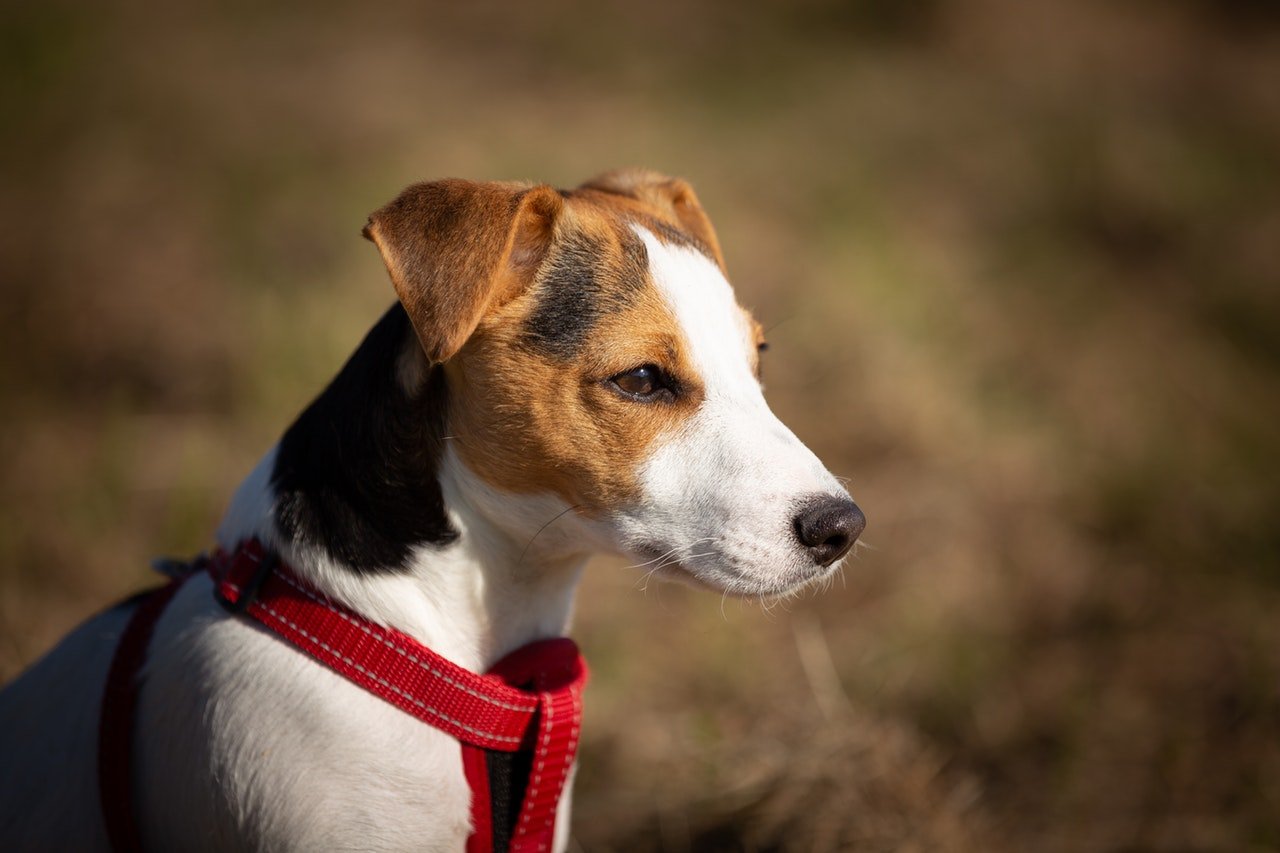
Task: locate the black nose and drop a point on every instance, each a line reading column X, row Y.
column 827, row 526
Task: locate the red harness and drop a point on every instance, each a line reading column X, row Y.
column 525, row 712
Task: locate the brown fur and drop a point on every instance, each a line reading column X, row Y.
column 456, row 249
column 670, row 201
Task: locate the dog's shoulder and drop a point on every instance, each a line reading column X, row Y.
column 303, row 758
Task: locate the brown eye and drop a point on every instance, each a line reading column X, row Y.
column 643, row 383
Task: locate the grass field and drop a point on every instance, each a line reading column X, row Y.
column 1020, row 266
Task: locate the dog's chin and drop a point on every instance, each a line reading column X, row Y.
column 740, row 581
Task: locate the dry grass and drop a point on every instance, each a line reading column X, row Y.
column 1021, row 265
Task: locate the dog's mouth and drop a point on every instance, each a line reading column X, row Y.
column 702, row 565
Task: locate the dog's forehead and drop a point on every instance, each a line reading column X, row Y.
column 611, row 253
column 720, row 336
column 629, row 211
column 596, row 266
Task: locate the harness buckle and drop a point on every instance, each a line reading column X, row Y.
column 249, row 589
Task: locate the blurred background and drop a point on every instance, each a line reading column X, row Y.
column 1020, row 266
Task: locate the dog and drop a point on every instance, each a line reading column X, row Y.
column 565, row 372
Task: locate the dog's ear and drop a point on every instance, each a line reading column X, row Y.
column 456, row 250
column 671, row 195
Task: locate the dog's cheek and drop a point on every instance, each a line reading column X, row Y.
column 521, row 424
column 622, row 435
column 551, row 432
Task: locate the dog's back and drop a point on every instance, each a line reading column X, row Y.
column 49, row 725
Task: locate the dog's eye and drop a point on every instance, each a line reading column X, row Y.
column 643, row 383
column 762, row 346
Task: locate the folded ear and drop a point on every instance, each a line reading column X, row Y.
column 456, row 250
column 671, row 195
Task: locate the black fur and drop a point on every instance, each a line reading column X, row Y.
column 675, row 236
column 357, row 473
column 581, row 282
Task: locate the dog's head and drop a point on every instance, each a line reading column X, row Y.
column 594, row 353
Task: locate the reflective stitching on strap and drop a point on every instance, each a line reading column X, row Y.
column 416, row 701
column 535, row 781
column 374, row 633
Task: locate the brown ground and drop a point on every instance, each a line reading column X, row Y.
column 1021, row 262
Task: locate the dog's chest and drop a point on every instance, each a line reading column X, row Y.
column 299, row 758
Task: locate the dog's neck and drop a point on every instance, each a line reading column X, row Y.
column 365, row 500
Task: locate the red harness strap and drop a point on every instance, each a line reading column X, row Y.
column 115, row 725
column 530, row 700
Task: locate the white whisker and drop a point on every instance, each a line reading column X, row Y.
column 661, row 557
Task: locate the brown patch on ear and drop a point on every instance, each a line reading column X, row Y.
column 456, row 250
column 672, row 196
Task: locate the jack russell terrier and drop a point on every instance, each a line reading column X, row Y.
column 373, row 660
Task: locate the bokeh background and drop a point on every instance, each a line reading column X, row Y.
column 1020, row 266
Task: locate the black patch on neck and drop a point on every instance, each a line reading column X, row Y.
column 584, row 279
column 357, row 473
